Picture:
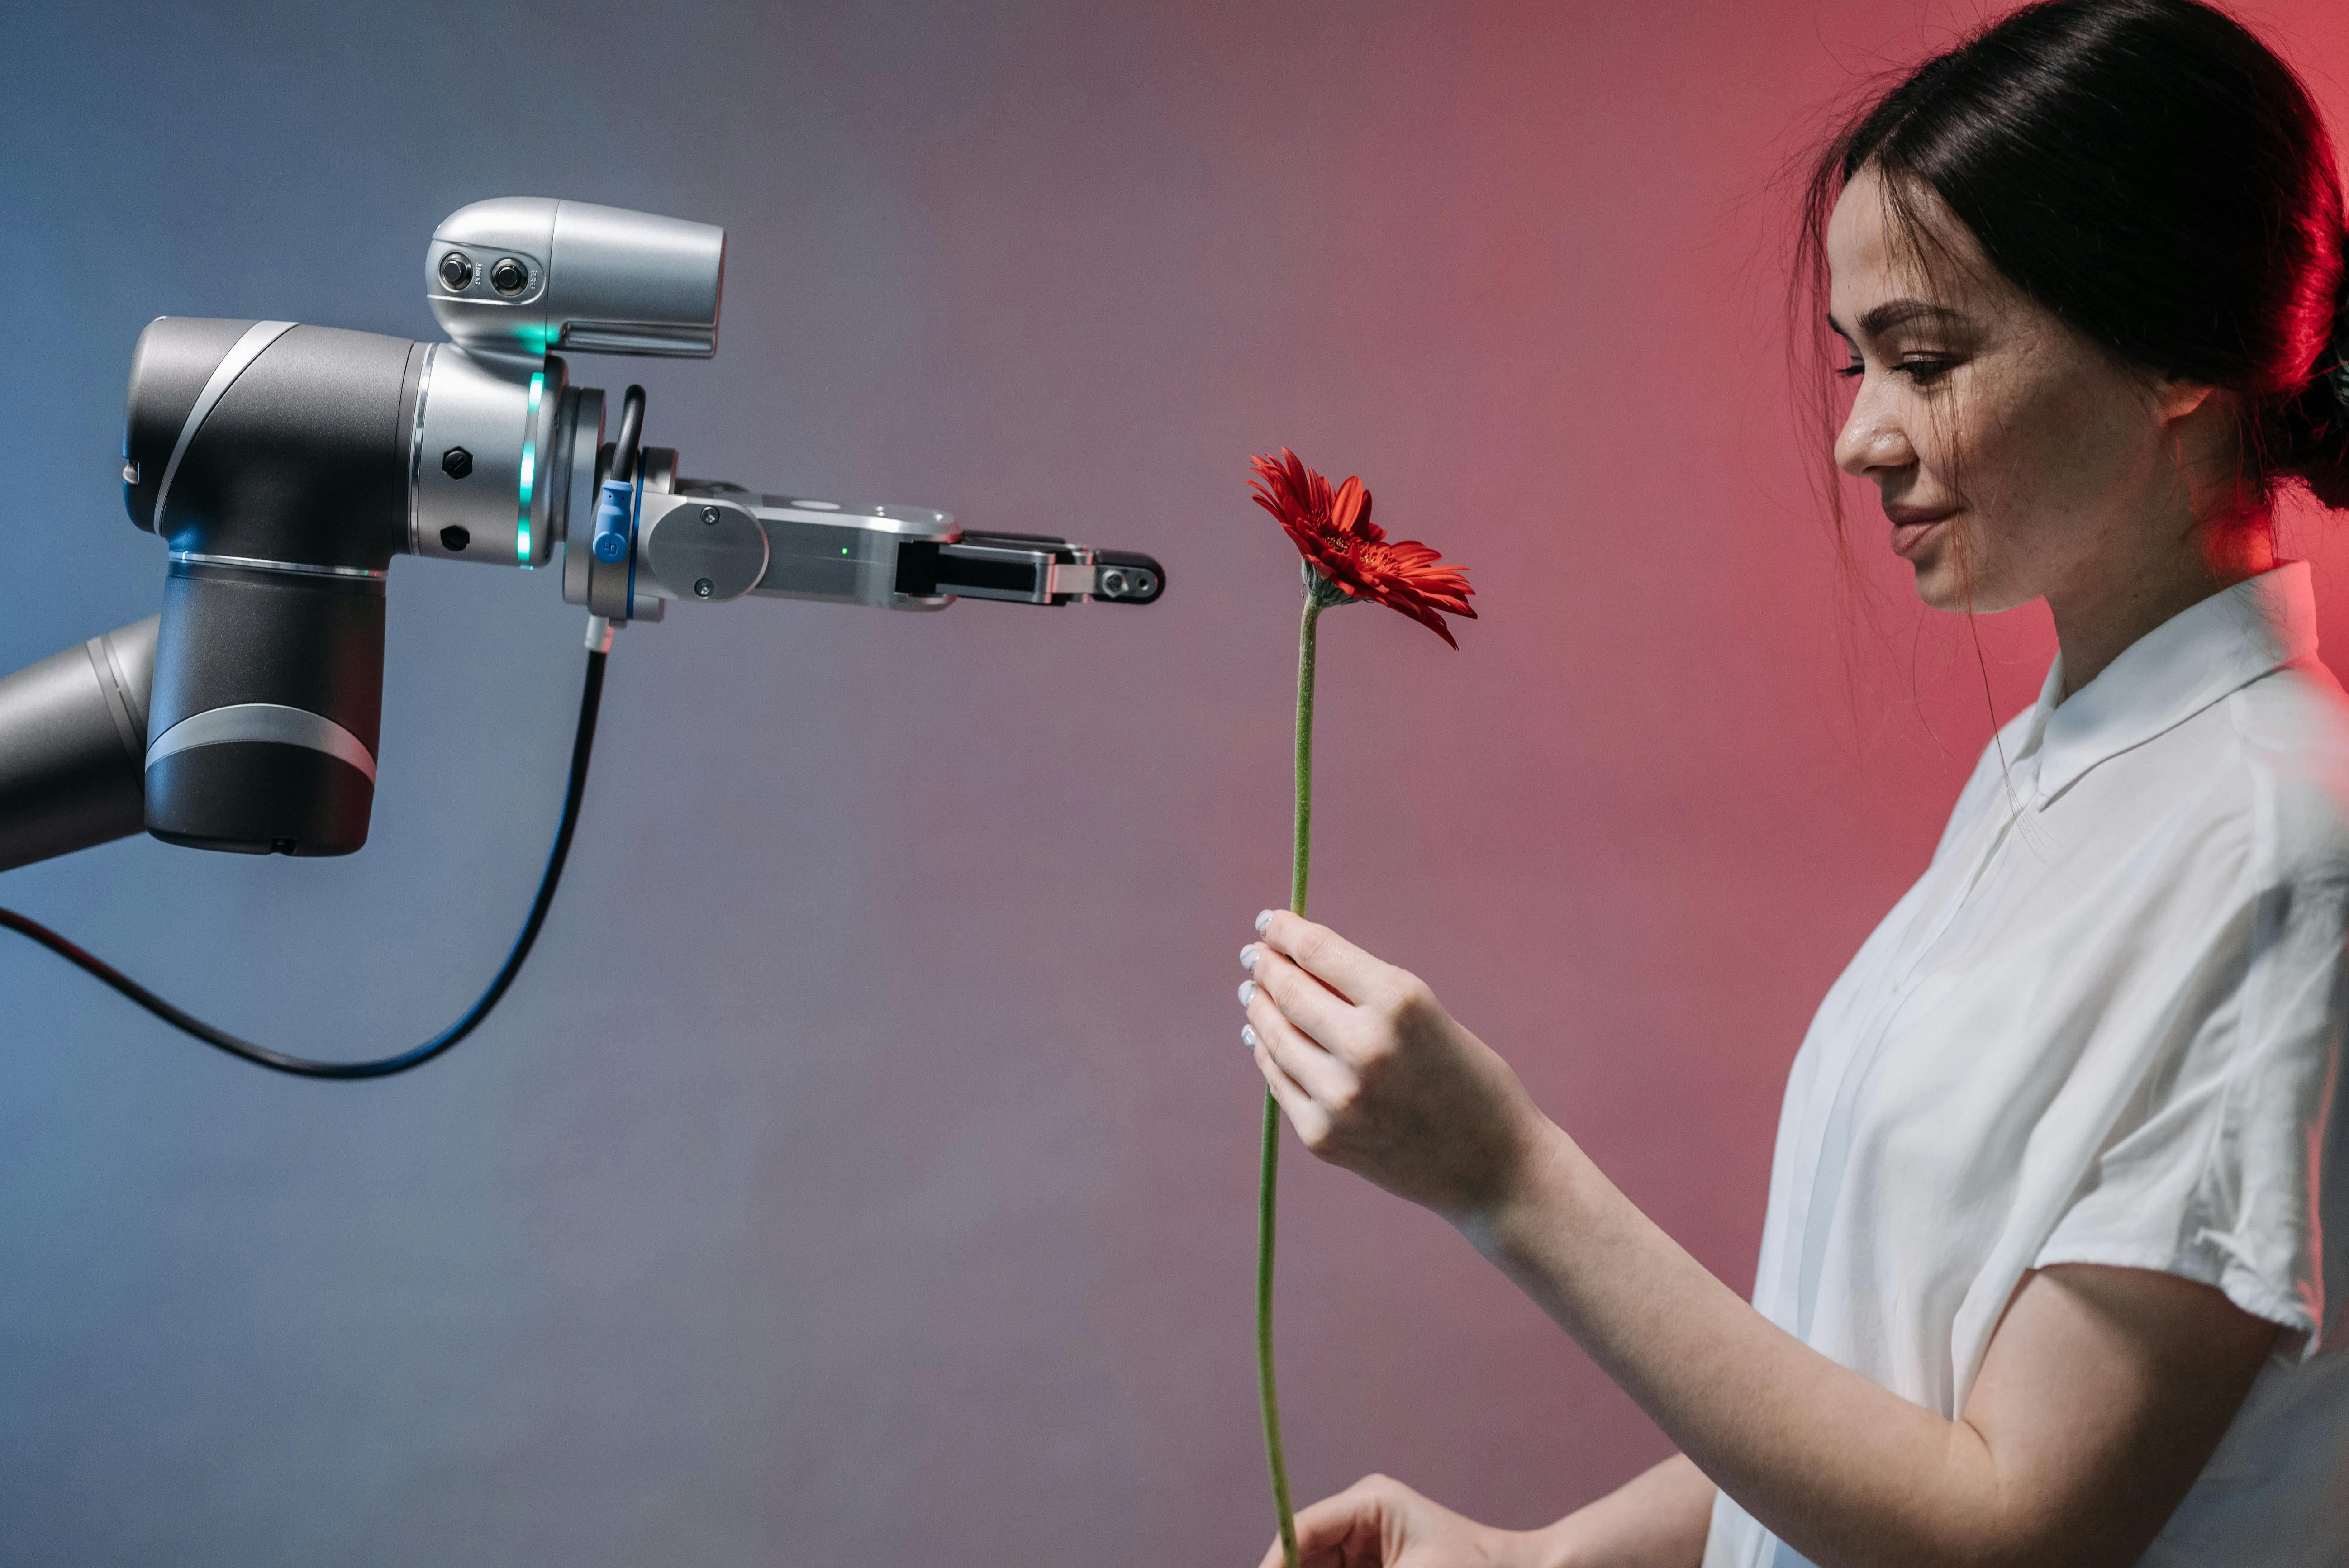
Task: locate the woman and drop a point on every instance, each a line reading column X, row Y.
column 2045, row 1276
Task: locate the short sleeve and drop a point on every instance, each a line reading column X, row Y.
column 2231, row 1163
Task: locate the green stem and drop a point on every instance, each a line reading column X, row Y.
column 1269, row 1174
column 1269, row 1169
column 1300, row 854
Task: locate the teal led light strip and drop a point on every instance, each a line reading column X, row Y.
column 529, row 471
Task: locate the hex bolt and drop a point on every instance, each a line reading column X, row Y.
column 455, row 462
column 703, row 588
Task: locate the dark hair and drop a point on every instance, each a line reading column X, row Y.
column 2157, row 178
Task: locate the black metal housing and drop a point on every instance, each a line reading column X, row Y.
column 283, row 512
column 231, row 638
column 75, row 725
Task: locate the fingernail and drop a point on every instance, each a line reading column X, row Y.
column 1247, row 957
column 1248, row 1035
column 1263, row 918
column 1247, row 992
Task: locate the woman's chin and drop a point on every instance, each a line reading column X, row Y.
column 1942, row 586
column 1939, row 584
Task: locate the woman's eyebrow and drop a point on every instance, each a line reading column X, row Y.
column 1898, row 312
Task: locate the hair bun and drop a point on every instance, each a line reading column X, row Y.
column 2316, row 429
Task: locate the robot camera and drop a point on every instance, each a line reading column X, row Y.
column 526, row 276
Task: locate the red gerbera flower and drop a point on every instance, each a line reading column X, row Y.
column 1347, row 560
column 1345, row 551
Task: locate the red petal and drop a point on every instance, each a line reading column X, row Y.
column 1349, row 501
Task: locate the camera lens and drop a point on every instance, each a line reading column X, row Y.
column 508, row 275
column 456, row 271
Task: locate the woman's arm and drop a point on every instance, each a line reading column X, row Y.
column 2102, row 1396
column 1658, row 1519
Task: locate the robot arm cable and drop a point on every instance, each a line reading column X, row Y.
column 582, row 745
column 631, row 434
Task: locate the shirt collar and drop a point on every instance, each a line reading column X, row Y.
column 2174, row 672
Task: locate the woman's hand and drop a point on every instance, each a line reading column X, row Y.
column 1377, row 1077
column 1381, row 1523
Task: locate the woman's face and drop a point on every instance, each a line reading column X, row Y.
column 1986, row 423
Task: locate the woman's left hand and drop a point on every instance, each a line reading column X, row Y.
column 1377, row 1077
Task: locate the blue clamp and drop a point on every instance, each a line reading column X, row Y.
column 615, row 521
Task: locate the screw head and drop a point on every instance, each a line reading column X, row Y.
column 455, row 462
column 703, row 588
column 709, row 514
column 456, row 271
column 453, row 538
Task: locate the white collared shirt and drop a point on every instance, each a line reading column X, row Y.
column 2106, row 1027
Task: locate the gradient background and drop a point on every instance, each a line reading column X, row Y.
column 864, row 1172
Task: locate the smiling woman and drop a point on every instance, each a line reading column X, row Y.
column 2045, row 1274
column 2017, row 458
column 2047, row 227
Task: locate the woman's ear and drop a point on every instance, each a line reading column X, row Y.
column 2174, row 398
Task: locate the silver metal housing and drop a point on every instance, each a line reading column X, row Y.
column 594, row 280
column 483, row 458
column 839, row 553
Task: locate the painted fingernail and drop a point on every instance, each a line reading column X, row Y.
column 1247, row 957
column 1263, row 918
column 1247, row 992
column 1248, row 1035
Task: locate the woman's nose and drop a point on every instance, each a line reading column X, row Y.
column 1872, row 441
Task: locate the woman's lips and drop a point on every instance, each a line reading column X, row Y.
column 1912, row 524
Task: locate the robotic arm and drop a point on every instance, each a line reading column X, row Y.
column 286, row 465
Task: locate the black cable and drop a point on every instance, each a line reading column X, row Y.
column 583, row 743
column 632, row 425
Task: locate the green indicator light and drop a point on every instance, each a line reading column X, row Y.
column 529, row 470
column 843, row 550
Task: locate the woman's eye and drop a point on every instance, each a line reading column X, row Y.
column 1921, row 368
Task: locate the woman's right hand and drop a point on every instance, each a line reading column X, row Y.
column 1381, row 1523
column 1379, row 1079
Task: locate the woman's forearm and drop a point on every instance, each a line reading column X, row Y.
column 1843, row 1469
column 1656, row 1519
